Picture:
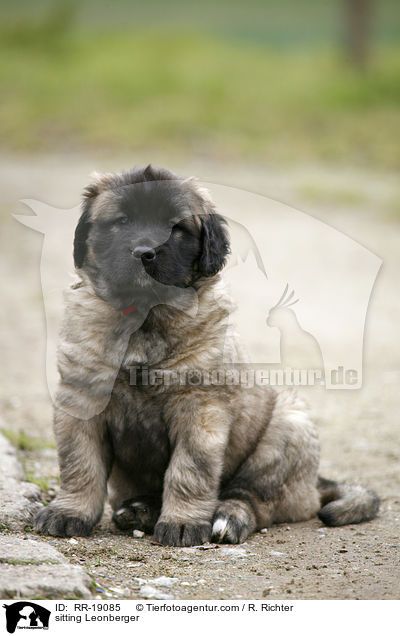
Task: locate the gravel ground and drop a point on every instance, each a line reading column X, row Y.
column 359, row 429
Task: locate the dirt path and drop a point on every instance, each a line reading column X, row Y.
column 359, row 429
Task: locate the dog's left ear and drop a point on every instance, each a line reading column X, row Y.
column 214, row 244
column 81, row 235
column 82, row 229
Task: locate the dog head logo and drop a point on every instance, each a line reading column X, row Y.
column 301, row 287
column 26, row 615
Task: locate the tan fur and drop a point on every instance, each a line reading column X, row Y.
column 242, row 458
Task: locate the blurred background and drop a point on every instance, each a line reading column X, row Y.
column 269, row 80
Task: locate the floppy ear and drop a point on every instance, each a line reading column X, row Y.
column 83, row 227
column 214, row 244
column 81, row 234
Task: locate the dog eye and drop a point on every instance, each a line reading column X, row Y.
column 177, row 232
column 122, row 220
column 179, row 229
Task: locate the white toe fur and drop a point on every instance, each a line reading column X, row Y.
column 220, row 527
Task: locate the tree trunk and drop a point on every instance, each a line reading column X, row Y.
column 358, row 24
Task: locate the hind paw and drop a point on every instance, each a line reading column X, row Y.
column 140, row 513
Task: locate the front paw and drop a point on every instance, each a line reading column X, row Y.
column 229, row 529
column 182, row 534
column 61, row 523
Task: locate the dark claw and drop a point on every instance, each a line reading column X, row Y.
column 183, row 535
column 61, row 524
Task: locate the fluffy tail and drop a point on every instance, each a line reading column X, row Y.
column 346, row 503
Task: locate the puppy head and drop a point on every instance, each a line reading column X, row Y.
column 145, row 228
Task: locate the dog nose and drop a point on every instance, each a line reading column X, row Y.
column 144, row 252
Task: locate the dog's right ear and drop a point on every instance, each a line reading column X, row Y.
column 83, row 227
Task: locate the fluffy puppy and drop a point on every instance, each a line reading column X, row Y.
column 187, row 460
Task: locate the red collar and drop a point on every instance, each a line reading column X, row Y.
column 128, row 310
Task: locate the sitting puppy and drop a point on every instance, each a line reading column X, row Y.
column 188, row 461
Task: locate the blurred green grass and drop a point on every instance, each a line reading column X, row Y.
column 67, row 87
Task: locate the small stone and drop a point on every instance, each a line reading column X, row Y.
column 264, row 530
column 164, row 581
column 138, row 534
column 277, row 554
column 186, row 583
column 233, row 552
column 73, row 541
column 148, row 591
